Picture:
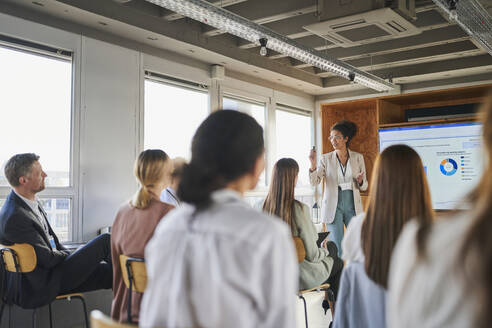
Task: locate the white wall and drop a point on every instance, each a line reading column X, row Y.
column 108, row 111
column 108, row 143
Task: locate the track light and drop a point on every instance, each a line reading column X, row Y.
column 207, row 13
column 351, row 77
column 263, row 49
column 453, row 14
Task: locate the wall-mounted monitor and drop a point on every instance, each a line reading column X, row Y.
column 451, row 154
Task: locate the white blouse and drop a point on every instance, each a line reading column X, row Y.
column 351, row 242
column 344, row 181
column 430, row 293
column 227, row 266
column 169, row 196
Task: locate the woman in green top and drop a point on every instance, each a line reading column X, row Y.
column 321, row 264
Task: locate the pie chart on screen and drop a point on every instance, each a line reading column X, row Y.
column 449, row 166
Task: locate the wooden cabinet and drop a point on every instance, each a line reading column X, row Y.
column 374, row 113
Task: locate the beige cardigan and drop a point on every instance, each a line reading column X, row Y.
column 328, row 168
column 316, row 267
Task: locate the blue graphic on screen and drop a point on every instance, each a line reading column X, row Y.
column 451, row 155
column 449, row 166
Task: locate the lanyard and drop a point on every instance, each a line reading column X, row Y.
column 341, row 166
column 175, row 198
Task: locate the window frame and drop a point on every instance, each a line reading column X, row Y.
column 71, row 192
column 260, row 190
column 166, row 80
column 305, row 190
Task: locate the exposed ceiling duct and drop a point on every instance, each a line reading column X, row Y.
column 472, row 17
column 229, row 22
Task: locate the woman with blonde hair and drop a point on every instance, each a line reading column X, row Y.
column 394, row 200
column 445, row 280
column 321, row 264
column 135, row 224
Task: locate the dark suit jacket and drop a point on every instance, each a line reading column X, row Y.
column 18, row 224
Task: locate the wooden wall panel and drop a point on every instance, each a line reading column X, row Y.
column 365, row 115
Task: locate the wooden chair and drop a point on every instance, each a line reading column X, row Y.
column 21, row 258
column 301, row 255
column 134, row 276
column 100, row 320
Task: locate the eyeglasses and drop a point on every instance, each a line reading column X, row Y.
column 335, row 138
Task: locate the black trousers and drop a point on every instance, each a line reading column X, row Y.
column 89, row 268
column 336, row 270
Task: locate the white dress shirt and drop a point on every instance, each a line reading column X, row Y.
column 227, row 266
column 351, row 242
column 430, row 292
column 345, row 181
column 169, row 196
column 34, row 206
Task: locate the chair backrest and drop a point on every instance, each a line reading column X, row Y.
column 300, row 250
column 134, row 267
column 21, row 254
column 100, row 320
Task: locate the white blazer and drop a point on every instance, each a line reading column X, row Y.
column 328, row 168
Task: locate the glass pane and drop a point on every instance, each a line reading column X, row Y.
column 172, row 115
column 294, row 141
column 254, row 110
column 59, row 217
column 58, row 210
column 35, row 106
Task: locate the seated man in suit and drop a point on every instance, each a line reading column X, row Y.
column 23, row 220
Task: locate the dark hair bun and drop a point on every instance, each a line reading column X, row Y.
column 347, row 128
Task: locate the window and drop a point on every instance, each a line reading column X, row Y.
column 172, row 115
column 293, row 134
column 255, row 109
column 36, row 111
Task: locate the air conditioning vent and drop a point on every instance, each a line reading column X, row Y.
column 348, row 24
column 372, row 26
column 397, row 27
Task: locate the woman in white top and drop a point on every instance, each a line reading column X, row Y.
column 169, row 195
column 446, row 279
column 344, row 172
column 394, row 200
column 215, row 261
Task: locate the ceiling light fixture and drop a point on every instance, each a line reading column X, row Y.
column 263, row 49
column 231, row 23
column 472, row 17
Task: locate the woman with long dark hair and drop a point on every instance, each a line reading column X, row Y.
column 394, row 200
column 445, row 280
column 344, row 173
column 215, row 261
column 321, row 263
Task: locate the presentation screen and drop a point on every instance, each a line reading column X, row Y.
column 451, row 154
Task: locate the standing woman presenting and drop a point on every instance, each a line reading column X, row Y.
column 345, row 175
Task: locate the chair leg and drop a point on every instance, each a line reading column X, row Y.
column 305, row 310
column 34, row 318
column 51, row 315
column 130, row 303
column 85, row 310
column 10, row 315
column 1, row 312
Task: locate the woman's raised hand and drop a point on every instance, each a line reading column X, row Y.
column 312, row 158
